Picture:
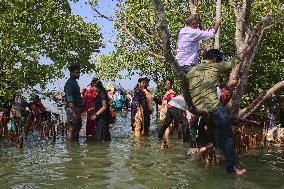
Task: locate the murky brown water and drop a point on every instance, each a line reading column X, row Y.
column 129, row 163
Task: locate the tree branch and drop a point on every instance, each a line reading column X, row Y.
column 246, row 120
column 193, row 6
column 240, row 72
column 250, row 109
column 109, row 18
column 218, row 17
column 156, row 55
column 166, row 38
column 164, row 29
column 246, row 10
column 144, row 47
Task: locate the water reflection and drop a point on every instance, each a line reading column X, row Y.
column 129, row 163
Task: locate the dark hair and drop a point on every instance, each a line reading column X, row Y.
column 99, row 85
column 74, row 67
column 191, row 18
column 146, row 79
column 170, row 80
column 94, row 80
column 213, row 54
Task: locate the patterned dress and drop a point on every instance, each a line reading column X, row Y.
column 139, row 108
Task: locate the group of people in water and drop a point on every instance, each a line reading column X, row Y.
column 202, row 83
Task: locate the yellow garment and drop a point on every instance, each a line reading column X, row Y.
column 138, row 122
column 163, row 112
column 149, row 100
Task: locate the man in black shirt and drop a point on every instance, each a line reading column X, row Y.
column 74, row 103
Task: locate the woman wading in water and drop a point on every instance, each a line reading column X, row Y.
column 102, row 114
column 139, row 108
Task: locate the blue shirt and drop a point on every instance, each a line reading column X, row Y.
column 72, row 93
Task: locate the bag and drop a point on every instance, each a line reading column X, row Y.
column 111, row 116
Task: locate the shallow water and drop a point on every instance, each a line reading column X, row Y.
column 129, row 163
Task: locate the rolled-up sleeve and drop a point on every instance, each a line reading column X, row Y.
column 203, row 34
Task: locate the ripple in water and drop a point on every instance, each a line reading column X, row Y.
column 129, row 163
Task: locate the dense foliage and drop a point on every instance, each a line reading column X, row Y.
column 139, row 46
column 38, row 40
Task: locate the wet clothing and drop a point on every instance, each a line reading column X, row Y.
column 101, row 131
column 180, row 117
column 72, row 93
column 223, row 136
column 177, row 111
column 203, row 80
column 119, row 101
column 71, row 118
column 147, row 114
column 90, row 108
column 139, row 108
column 163, row 110
column 201, row 136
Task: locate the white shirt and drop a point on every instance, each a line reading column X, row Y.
column 178, row 102
column 187, row 50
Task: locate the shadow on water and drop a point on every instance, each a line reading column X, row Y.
column 129, row 163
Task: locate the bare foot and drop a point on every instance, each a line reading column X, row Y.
column 220, row 157
column 201, row 150
column 240, row 171
column 192, row 151
column 164, row 145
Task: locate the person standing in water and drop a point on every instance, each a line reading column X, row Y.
column 202, row 85
column 139, row 108
column 90, row 107
column 73, row 103
column 102, row 113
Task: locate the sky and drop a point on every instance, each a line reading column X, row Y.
column 107, row 7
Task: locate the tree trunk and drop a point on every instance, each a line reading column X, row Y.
column 164, row 29
column 192, row 6
column 240, row 73
column 218, row 17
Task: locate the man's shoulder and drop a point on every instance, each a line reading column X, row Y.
column 71, row 82
column 204, row 65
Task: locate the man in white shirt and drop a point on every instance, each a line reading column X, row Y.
column 189, row 36
column 177, row 110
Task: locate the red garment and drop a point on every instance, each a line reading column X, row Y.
column 225, row 96
column 90, row 98
column 90, row 108
column 169, row 95
column 37, row 108
column 40, row 106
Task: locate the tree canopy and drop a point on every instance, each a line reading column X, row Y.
column 33, row 33
column 139, row 42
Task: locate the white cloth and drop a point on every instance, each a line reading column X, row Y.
column 187, row 50
column 178, row 102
